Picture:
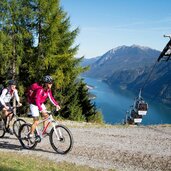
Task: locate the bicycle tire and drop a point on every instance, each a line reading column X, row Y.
column 2, row 129
column 25, row 141
column 66, row 139
column 16, row 125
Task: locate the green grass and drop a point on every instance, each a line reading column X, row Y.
column 18, row 162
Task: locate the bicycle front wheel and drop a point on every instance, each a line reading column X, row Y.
column 23, row 137
column 16, row 125
column 2, row 128
column 61, row 139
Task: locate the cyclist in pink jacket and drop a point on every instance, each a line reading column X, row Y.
column 37, row 105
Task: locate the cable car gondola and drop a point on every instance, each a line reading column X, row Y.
column 136, row 117
column 133, row 118
column 137, row 111
column 140, row 106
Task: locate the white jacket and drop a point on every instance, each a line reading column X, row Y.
column 6, row 96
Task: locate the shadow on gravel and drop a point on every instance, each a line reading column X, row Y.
column 7, row 145
column 7, row 138
column 42, row 150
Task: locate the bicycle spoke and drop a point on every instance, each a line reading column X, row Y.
column 61, row 139
column 24, row 139
column 16, row 125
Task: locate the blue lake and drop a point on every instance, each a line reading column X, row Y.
column 114, row 103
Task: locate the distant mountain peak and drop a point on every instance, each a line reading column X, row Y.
column 123, row 47
column 122, row 58
column 126, row 53
column 140, row 47
column 117, row 48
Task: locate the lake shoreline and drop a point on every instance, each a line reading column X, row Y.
column 114, row 102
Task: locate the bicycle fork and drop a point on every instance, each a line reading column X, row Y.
column 58, row 132
column 38, row 136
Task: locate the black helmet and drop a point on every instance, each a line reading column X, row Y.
column 47, row 79
column 11, row 82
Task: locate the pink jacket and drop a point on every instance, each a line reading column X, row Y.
column 42, row 95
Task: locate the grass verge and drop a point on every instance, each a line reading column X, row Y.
column 17, row 162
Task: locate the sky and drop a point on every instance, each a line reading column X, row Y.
column 107, row 24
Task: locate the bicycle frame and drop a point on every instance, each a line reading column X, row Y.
column 16, row 122
column 50, row 121
column 60, row 137
column 12, row 114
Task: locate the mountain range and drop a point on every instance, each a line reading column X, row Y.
column 134, row 67
column 89, row 61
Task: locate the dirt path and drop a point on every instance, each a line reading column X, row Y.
column 108, row 147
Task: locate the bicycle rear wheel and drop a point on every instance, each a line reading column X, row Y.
column 2, row 127
column 61, row 139
column 16, row 125
column 23, row 137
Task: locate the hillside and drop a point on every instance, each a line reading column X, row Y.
column 156, row 83
column 89, row 61
column 131, row 68
column 122, row 58
column 107, row 147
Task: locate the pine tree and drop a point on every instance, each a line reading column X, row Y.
column 36, row 40
column 12, row 35
column 71, row 107
column 88, row 108
column 54, row 53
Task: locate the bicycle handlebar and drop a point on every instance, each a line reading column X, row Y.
column 12, row 108
column 53, row 112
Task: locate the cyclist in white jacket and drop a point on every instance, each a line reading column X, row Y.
column 5, row 101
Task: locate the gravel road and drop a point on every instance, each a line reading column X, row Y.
column 124, row 148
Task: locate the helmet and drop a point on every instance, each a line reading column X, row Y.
column 11, row 82
column 47, row 79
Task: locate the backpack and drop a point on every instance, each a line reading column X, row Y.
column 31, row 92
column 1, row 88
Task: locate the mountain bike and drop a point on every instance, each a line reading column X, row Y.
column 17, row 122
column 60, row 137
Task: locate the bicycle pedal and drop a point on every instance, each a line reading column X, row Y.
column 32, row 142
column 38, row 139
column 8, row 130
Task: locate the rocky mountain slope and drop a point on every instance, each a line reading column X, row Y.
column 135, row 67
column 122, row 58
column 89, row 61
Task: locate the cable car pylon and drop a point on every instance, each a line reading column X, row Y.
column 140, row 107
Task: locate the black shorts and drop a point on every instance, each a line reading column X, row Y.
column 2, row 106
